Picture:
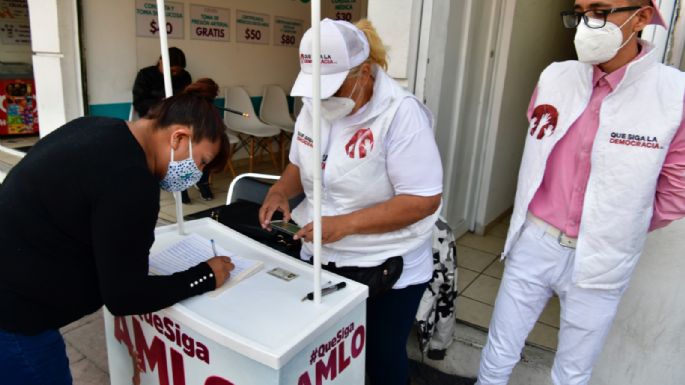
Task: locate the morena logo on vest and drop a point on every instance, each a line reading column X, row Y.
column 544, row 121
column 360, row 144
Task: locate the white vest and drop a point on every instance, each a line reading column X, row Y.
column 636, row 125
column 358, row 180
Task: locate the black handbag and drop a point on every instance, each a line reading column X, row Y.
column 379, row 278
column 242, row 216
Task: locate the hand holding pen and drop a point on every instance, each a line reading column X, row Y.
column 221, row 267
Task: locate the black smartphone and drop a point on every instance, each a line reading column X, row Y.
column 285, row 227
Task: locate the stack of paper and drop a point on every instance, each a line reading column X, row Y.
column 194, row 249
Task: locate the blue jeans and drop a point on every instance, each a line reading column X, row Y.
column 33, row 360
column 389, row 318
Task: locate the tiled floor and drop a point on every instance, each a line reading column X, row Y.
column 87, row 351
column 480, row 274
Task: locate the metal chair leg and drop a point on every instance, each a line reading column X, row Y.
column 251, row 167
column 229, row 164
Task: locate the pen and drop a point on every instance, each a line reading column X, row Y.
column 244, row 114
column 326, row 290
column 213, row 247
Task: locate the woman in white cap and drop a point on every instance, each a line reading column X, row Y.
column 382, row 185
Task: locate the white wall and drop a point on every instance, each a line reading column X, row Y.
column 392, row 19
column 646, row 344
column 459, row 74
column 462, row 102
column 114, row 54
column 110, row 49
column 537, row 39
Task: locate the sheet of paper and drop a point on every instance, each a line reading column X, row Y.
column 194, row 249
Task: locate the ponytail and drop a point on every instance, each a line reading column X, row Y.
column 205, row 88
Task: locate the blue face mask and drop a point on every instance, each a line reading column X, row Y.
column 181, row 174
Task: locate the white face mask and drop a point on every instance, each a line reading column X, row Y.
column 599, row 45
column 337, row 107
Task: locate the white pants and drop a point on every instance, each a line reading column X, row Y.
column 537, row 267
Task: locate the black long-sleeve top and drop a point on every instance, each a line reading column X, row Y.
column 77, row 219
column 148, row 89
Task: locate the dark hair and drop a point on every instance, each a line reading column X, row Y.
column 176, row 57
column 205, row 87
column 194, row 107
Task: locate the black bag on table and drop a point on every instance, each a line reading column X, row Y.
column 243, row 217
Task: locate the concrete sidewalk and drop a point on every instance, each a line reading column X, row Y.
column 87, row 350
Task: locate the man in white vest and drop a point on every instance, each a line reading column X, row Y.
column 604, row 163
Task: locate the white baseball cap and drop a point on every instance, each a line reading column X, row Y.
column 343, row 47
column 657, row 19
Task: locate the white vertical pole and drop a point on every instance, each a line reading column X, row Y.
column 168, row 90
column 316, row 115
column 164, row 45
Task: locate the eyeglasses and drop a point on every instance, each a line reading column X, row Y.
column 593, row 18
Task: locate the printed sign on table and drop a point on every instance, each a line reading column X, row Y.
column 348, row 10
column 252, row 27
column 288, row 31
column 147, row 24
column 209, row 23
column 14, row 10
column 168, row 351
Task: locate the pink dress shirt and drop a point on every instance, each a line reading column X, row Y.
column 559, row 199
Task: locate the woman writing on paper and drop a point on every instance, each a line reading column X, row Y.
column 382, row 185
column 67, row 251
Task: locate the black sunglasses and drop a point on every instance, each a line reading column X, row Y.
column 593, row 18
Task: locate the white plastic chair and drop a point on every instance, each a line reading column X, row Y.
column 274, row 111
column 250, row 187
column 251, row 131
column 253, row 187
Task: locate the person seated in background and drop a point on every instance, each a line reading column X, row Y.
column 148, row 90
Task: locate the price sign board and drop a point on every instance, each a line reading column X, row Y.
column 14, row 22
column 348, row 10
column 15, row 33
column 253, row 28
column 14, row 10
column 147, row 24
column 209, row 23
column 288, row 31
